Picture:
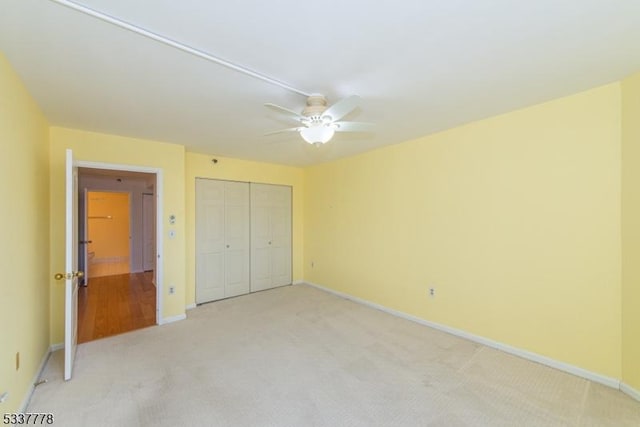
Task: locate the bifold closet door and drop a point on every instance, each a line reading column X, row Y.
column 222, row 239
column 270, row 236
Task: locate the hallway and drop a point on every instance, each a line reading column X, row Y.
column 111, row 305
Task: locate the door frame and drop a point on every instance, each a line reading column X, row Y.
column 159, row 191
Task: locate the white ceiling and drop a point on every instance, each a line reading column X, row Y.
column 420, row 66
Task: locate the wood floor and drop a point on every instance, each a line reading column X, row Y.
column 111, row 305
column 99, row 269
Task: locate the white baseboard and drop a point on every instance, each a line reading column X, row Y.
column 627, row 389
column 56, row 347
column 299, row 282
column 525, row 354
column 191, row 306
column 172, row 319
column 36, row 377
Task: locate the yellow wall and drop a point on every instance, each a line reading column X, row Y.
column 95, row 147
column 515, row 220
column 24, row 251
column 631, row 231
column 201, row 166
column 108, row 223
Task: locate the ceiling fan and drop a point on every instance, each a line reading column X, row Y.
column 319, row 122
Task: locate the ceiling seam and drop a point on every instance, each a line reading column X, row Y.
column 177, row 45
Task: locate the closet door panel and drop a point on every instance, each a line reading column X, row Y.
column 237, row 239
column 237, row 278
column 280, row 227
column 210, row 277
column 270, row 236
column 261, row 269
column 260, row 227
column 213, row 237
column 209, row 240
column 222, row 239
column 281, row 266
column 260, row 238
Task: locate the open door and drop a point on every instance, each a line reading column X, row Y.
column 71, row 274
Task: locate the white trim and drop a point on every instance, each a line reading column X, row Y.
column 525, row 354
column 158, row 172
column 173, row 319
column 191, row 306
column 627, row 389
column 56, row 347
column 159, row 272
column 116, row 166
column 38, row 374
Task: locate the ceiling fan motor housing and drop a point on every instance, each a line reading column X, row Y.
column 316, row 105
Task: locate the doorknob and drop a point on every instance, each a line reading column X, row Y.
column 68, row 276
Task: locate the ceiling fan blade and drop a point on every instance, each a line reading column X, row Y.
column 342, row 107
column 285, row 111
column 354, row 127
column 282, row 131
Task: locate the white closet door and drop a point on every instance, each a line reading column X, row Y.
column 280, row 235
column 237, row 238
column 222, row 239
column 260, row 246
column 270, row 236
column 210, row 240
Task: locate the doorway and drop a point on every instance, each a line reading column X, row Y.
column 119, row 293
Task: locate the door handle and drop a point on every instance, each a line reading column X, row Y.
column 68, row 276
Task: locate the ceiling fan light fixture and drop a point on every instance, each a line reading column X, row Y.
column 317, row 134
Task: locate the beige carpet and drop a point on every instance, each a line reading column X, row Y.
column 297, row 356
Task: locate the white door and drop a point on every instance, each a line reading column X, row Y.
column 148, row 232
column 281, row 235
column 222, row 239
column 237, row 240
column 270, row 236
column 71, row 266
column 209, row 240
column 260, row 241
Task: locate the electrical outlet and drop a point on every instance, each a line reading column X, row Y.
column 432, row 292
column 17, row 361
column 4, row 396
column 312, row 264
column 172, row 290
